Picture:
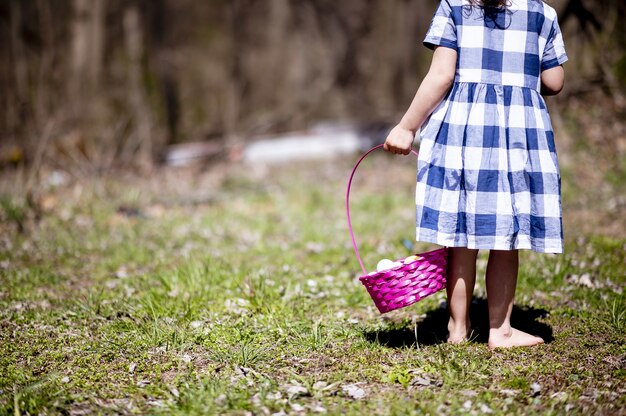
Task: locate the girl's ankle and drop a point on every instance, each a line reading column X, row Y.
column 459, row 328
column 503, row 330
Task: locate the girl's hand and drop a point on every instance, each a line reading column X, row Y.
column 399, row 140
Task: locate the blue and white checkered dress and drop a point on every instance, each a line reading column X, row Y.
column 488, row 176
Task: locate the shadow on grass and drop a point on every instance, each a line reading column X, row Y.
column 433, row 328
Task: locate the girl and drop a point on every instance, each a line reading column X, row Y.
column 488, row 176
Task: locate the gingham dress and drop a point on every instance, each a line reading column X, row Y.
column 488, row 176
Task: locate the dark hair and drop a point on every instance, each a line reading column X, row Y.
column 489, row 4
column 493, row 11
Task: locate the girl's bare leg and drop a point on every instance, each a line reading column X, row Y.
column 460, row 288
column 501, row 281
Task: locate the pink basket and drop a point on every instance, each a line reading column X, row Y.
column 415, row 278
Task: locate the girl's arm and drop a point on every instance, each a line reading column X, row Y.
column 431, row 91
column 552, row 80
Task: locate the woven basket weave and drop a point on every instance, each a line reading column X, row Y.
column 413, row 279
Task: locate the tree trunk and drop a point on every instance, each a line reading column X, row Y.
column 232, row 110
column 142, row 119
column 16, row 118
column 87, row 46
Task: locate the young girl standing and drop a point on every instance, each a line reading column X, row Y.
column 488, row 176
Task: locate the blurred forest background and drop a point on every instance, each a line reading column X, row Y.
column 110, row 83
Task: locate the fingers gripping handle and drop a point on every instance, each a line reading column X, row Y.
column 356, row 250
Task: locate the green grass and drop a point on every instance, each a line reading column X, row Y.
column 249, row 302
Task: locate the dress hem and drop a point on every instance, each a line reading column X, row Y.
column 515, row 246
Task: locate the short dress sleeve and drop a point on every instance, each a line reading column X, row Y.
column 442, row 31
column 554, row 53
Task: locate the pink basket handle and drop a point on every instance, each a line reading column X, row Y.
column 356, row 250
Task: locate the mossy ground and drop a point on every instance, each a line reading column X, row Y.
column 234, row 291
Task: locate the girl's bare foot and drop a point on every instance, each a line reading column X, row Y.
column 512, row 337
column 458, row 334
